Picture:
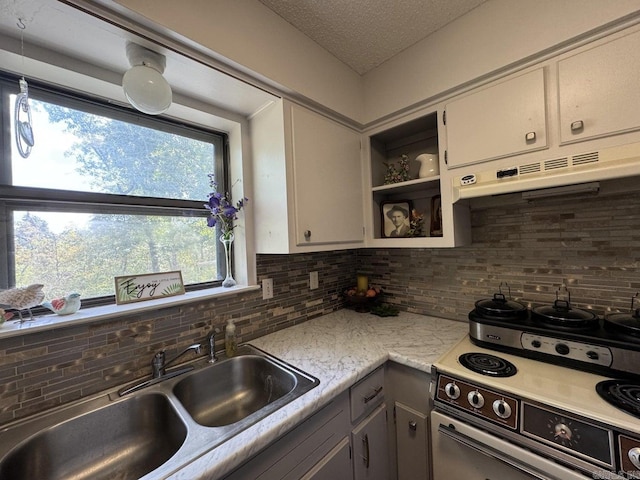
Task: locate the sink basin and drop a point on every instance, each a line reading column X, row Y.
column 157, row 427
column 237, row 388
column 122, row 441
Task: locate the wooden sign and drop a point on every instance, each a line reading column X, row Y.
column 138, row 288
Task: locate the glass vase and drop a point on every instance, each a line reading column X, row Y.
column 227, row 241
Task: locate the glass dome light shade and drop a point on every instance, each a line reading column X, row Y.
column 147, row 90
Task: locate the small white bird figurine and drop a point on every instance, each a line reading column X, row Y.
column 65, row 305
column 22, row 298
column 4, row 316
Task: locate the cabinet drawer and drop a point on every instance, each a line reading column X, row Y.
column 367, row 394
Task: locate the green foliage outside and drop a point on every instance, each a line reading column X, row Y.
column 119, row 158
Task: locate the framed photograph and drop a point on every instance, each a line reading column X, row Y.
column 395, row 218
column 436, row 217
column 138, row 288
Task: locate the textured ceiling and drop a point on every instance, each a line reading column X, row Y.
column 366, row 33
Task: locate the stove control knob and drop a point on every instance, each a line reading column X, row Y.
column 452, row 390
column 562, row 349
column 592, row 355
column 476, row 399
column 634, row 456
column 536, row 343
column 502, row 409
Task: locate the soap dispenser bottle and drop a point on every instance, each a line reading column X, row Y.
column 230, row 342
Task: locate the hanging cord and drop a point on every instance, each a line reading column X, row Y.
column 23, row 126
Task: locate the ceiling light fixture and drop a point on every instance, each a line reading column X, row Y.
column 144, row 86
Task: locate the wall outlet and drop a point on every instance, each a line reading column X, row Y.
column 313, row 280
column 267, row 288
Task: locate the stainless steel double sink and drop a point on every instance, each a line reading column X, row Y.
column 156, row 430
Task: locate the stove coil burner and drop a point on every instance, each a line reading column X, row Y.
column 486, row 364
column 622, row 394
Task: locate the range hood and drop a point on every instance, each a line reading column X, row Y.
column 604, row 164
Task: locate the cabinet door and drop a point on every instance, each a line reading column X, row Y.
column 502, row 120
column 598, row 90
column 370, row 447
column 327, row 180
column 335, row 465
column 411, row 444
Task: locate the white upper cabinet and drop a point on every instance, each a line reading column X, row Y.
column 598, row 90
column 504, row 119
column 327, row 179
column 307, row 181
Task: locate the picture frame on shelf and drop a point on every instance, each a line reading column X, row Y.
column 396, row 217
column 435, row 229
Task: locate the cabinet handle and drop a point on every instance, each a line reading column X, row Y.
column 375, row 393
column 365, row 445
column 577, row 126
column 530, row 137
column 307, row 234
column 413, row 426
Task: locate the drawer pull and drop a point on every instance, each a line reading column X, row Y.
column 577, row 126
column 375, row 393
column 413, row 426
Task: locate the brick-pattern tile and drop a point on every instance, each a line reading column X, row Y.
column 46, row 369
column 589, row 243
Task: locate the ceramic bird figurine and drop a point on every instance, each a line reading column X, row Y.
column 65, row 305
column 23, row 298
column 4, row 316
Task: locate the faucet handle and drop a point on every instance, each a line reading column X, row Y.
column 157, row 364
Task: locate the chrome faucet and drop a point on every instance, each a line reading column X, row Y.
column 159, row 363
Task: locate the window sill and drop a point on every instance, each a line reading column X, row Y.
column 14, row 328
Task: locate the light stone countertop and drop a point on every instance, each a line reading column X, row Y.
column 339, row 349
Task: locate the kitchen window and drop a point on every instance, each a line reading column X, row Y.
column 105, row 192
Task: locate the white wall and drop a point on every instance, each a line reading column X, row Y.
column 496, row 34
column 249, row 34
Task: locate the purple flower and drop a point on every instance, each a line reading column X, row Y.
column 221, row 210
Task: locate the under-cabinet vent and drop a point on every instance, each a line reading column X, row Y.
column 586, row 158
column 529, row 168
column 610, row 163
column 557, row 163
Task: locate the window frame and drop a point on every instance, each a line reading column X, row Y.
column 18, row 197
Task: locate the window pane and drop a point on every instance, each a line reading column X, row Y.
column 70, row 252
column 80, row 151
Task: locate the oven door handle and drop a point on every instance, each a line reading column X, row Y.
column 489, row 451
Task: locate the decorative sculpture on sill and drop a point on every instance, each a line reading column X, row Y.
column 24, row 298
column 4, row 316
column 64, row 305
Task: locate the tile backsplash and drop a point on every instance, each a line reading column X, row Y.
column 590, row 243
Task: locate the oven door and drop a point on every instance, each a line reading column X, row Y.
column 462, row 451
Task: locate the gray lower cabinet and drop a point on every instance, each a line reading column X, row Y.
column 294, row 454
column 345, row 440
column 412, row 442
column 408, row 422
column 336, row 465
column 370, row 447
